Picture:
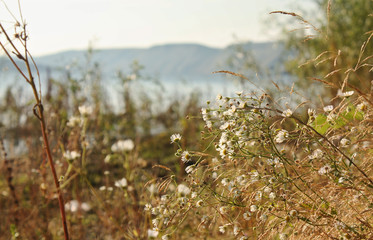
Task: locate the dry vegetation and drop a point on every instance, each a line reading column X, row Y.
column 251, row 167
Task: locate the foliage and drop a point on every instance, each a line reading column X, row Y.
column 249, row 167
column 330, row 47
column 272, row 175
column 104, row 156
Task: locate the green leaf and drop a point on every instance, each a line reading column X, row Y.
column 320, row 124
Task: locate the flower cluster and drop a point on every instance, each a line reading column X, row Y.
column 123, row 146
column 262, row 177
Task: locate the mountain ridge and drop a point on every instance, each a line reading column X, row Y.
column 169, row 63
column 173, row 60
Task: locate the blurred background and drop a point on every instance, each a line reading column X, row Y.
column 179, row 43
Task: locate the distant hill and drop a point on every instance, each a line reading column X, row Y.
column 170, row 61
column 172, row 64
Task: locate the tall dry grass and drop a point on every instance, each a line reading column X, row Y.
column 248, row 166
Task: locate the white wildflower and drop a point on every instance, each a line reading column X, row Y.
column 324, row 170
column 183, row 189
column 224, row 151
column 199, row 203
column 316, row 154
column 186, row 157
column 74, row 121
column 311, row 112
column 223, row 228
column 345, row 94
column 281, row 136
column 272, row 195
column 165, row 237
column 208, row 124
column 331, row 118
column 267, row 189
column 354, row 129
column 282, row 236
column 341, row 180
column 230, row 111
column 122, row 183
column 328, row 108
column 236, row 230
column 194, row 194
column 148, row 207
column 155, row 222
column 254, row 176
column 225, row 126
column 247, row 216
column 311, row 115
column 43, row 186
column 205, row 114
column 274, row 162
column 345, row 142
column 361, row 106
column 85, row 110
column 85, row 206
column 123, row 146
column 107, row 158
column 253, row 208
column 153, row 188
column 223, row 210
column 263, row 217
column 75, row 205
column 153, row 233
column 189, row 169
column 272, row 180
column 155, row 211
column 225, row 181
column 236, row 193
column 205, row 219
column 72, row 206
column 258, row 196
column 182, row 201
column 241, row 179
column 164, row 198
column 71, row 155
column 175, row 138
column 216, row 114
column 339, row 225
column 223, row 139
column 287, row 113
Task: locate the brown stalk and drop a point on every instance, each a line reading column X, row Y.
column 38, row 111
column 300, row 18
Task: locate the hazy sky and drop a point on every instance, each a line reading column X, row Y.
column 57, row 25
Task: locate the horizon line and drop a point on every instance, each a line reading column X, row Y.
column 148, row 47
